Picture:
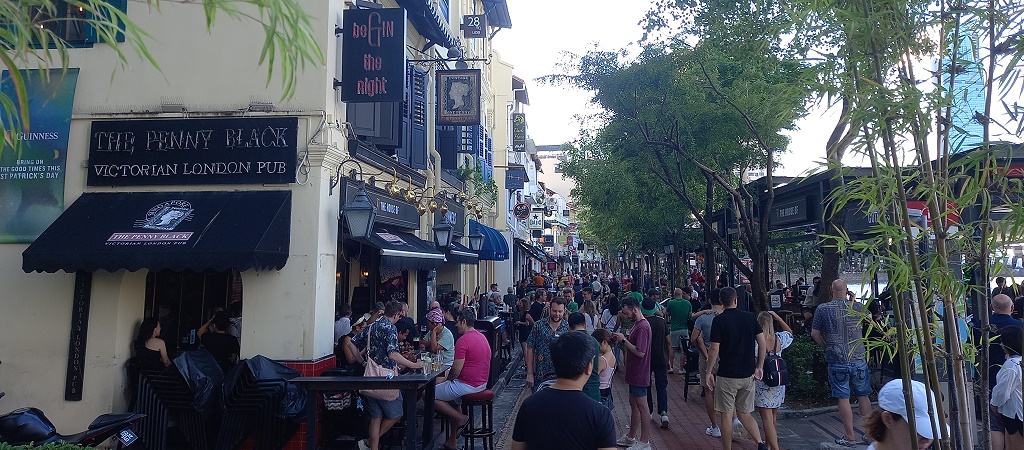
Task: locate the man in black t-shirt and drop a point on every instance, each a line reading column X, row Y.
column 223, row 346
column 582, row 424
column 733, row 334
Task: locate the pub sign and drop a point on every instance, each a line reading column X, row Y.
column 193, row 151
column 458, row 97
column 373, row 55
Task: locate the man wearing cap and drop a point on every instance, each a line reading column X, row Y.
column 439, row 338
column 638, row 375
column 838, row 329
column 468, row 375
column 659, row 361
column 889, row 427
column 578, row 322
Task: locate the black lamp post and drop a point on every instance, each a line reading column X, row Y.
column 443, row 234
column 670, row 254
column 359, row 214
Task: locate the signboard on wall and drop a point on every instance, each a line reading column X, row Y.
column 458, row 97
column 32, row 175
column 373, row 55
column 250, row 150
column 518, row 132
column 536, row 221
column 474, row 26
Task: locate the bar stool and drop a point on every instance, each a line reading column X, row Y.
column 485, row 432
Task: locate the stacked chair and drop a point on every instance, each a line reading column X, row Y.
column 214, row 412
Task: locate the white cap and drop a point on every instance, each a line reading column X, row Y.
column 890, row 398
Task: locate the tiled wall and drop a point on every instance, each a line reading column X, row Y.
column 307, row 369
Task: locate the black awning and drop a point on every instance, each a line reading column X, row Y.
column 459, row 254
column 401, row 250
column 530, row 250
column 166, row 230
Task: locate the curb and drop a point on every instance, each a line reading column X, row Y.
column 510, row 369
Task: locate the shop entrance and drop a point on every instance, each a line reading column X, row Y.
column 184, row 301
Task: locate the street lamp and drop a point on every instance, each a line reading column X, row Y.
column 476, row 241
column 359, row 214
column 670, row 254
column 443, row 234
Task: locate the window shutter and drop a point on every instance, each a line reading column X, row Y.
column 418, row 87
column 466, row 140
column 90, row 33
column 489, row 160
column 447, row 141
column 364, row 117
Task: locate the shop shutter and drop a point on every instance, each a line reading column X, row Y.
column 448, row 141
column 90, row 33
column 417, row 106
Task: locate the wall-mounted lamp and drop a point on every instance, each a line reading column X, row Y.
column 476, row 241
column 443, row 234
column 172, row 105
column 359, row 213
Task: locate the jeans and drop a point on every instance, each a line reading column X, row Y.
column 660, row 383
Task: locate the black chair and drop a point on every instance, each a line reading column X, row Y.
column 692, row 372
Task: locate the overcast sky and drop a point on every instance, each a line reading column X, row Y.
column 543, row 29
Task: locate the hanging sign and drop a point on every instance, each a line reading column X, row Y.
column 514, row 179
column 373, row 55
column 521, row 211
column 518, row 132
column 32, row 175
column 458, row 97
column 536, row 221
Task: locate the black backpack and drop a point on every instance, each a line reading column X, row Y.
column 774, row 373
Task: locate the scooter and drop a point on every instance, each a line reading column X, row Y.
column 30, row 425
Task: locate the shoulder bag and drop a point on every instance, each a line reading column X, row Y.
column 376, row 370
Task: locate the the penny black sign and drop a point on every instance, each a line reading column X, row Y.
column 518, row 132
column 373, row 55
column 192, row 151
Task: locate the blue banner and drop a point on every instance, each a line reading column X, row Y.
column 32, row 172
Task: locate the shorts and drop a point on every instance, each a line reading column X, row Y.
column 606, row 398
column 994, row 424
column 703, row 370
column 845, row 378
column 453, row 390
column 384, row 409
column 638, row 391
column 1012, row 425
column 734, row 394
column 677, row 339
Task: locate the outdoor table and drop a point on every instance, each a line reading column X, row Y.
column 407, row 384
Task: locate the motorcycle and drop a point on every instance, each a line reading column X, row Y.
column 29, row 425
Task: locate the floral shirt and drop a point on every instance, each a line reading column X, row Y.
column 383, row 339
column 540, row 340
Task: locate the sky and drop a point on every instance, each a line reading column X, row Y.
column 542, row 30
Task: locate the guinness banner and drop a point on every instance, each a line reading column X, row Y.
column 32, row 175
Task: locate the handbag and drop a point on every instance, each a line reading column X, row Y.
column 376, row 370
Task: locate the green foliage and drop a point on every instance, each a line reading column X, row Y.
column 28, row 40
column 43, row 447
column 800, row 357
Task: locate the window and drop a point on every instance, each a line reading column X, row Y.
column 184, row 301
column 70, row 22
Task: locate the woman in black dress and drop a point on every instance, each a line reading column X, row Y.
column 150, row 350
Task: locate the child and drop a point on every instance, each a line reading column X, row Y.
column 606, row 366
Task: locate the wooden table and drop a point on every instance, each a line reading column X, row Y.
column 409, row 385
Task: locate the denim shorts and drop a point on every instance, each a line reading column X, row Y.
column 606, row 398
column 384, row 409
column 845, row 378
column 638, row 391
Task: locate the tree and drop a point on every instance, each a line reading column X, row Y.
column 699, row 117
column 29, row 39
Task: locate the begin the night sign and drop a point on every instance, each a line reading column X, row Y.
column 373, row 55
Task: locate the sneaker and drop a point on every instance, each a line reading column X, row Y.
column 844, row 442
column 656, row 418
column 713, row 431
column 640, row 446
column 664, row 419
column 670, row 371
column 364, row 445
column 626, row 441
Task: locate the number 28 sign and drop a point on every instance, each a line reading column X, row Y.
column 474, row 26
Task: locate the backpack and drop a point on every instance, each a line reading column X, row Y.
column 774, row 373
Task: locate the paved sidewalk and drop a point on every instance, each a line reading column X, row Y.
column 687, row 421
